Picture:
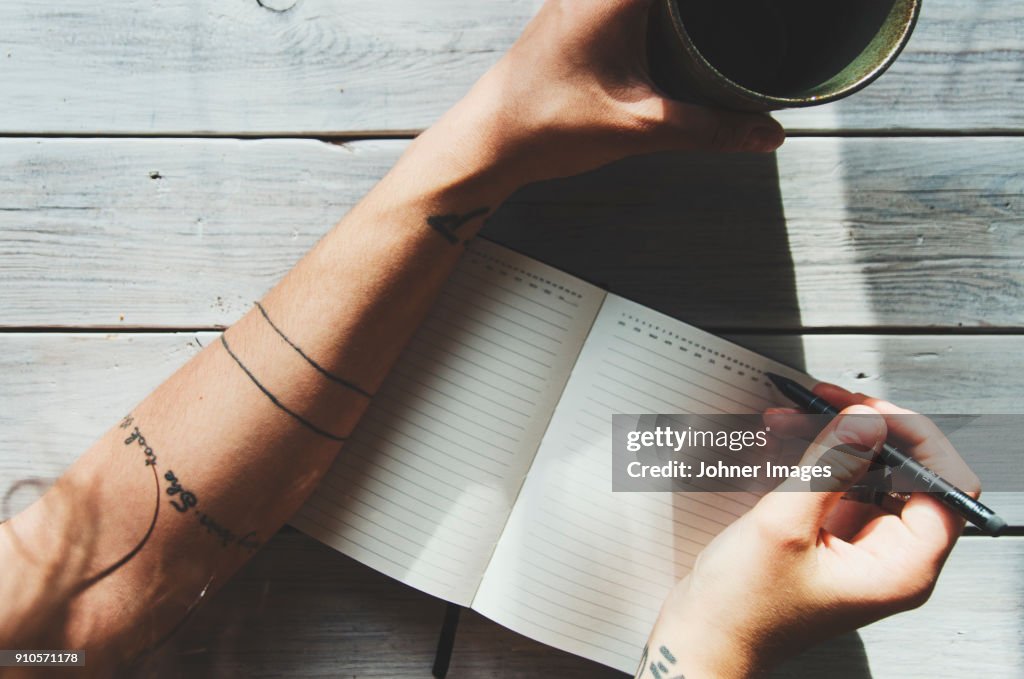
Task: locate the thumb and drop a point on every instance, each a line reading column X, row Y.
column 679, row 126
column 844, row 448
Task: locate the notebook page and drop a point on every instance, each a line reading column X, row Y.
column 585, row 569
column 422, row 489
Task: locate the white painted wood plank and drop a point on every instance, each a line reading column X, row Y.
column 166, row 223
column 934, row 375
column 340, row 66
column 827, row 232
column 941, row 374
column 962, row 57
column 208, row 66
column 972, row 626
column 831, row 232
column 61, row 391
column 301, row 609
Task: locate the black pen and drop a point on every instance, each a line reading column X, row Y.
column 907, row 467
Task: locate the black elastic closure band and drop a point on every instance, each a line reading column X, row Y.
column 446, row 642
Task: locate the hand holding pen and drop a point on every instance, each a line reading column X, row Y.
column 800, row 567
column 913, row 467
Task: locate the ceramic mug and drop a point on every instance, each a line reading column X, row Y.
column 762, row 55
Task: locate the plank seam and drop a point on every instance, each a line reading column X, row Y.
column 908, row 331
column 373, row 135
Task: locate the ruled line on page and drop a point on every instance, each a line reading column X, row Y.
column 598, row 648
column 391, row 496
column 375, row 460
column 409, row 457
column 309, row 517
column 441, row 365
column 436, row 386
column 606, row 633
column 332, row 525
column 663, row 356
column 444, row 304
column 643, row 388
column 498, row 286
column 605, row 419
column 356, row 513
column 657, row 546
column 472, row 346
column 564, row 535
column 528, row 565
column 685, row 394
column 373, row 416
column 712, row 502
column 463, row 331
column 617, row 610
column 710, row 523
column 571, row 532
column 404, row 398
column 586, row 573
column 701, row 382
column 728, row 483
column 474, row 293
column 447, row 396
column 449, row 311
column 440, row 455
column 404, row 404
column 461, row 357
column 475, row 299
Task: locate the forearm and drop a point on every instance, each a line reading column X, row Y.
column 171, row 501
column 218, row 457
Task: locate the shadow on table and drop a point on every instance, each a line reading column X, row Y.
column 300, row 609
column 699, row 237
column 840, row 658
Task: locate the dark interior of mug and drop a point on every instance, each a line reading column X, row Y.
column 793, row 48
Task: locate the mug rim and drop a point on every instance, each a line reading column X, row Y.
column 860, row 83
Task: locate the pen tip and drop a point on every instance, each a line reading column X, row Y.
column 995, row 525
column 777, row 380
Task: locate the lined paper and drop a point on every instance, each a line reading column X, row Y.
column 585, row 569
column 423, row 488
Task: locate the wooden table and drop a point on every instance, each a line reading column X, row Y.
column 163, row 163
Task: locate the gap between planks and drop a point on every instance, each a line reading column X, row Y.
column 344, row 137
column 889, row 331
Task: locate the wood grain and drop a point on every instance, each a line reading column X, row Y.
column 329, row 67
column 924, row 233
column 876, row 237
column 301, row 609
column 61, row 391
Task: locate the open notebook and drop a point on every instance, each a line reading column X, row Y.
column 481, row 472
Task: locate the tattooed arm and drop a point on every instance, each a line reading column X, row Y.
column 175, row 497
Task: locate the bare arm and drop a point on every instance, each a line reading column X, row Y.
column 180, row 492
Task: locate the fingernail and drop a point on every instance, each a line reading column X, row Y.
column 763, row 139
column 859, row 429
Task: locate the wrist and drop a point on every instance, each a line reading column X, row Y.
column 701, row 648
column 497, row 137
column 470, row 156
column 677, row 651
